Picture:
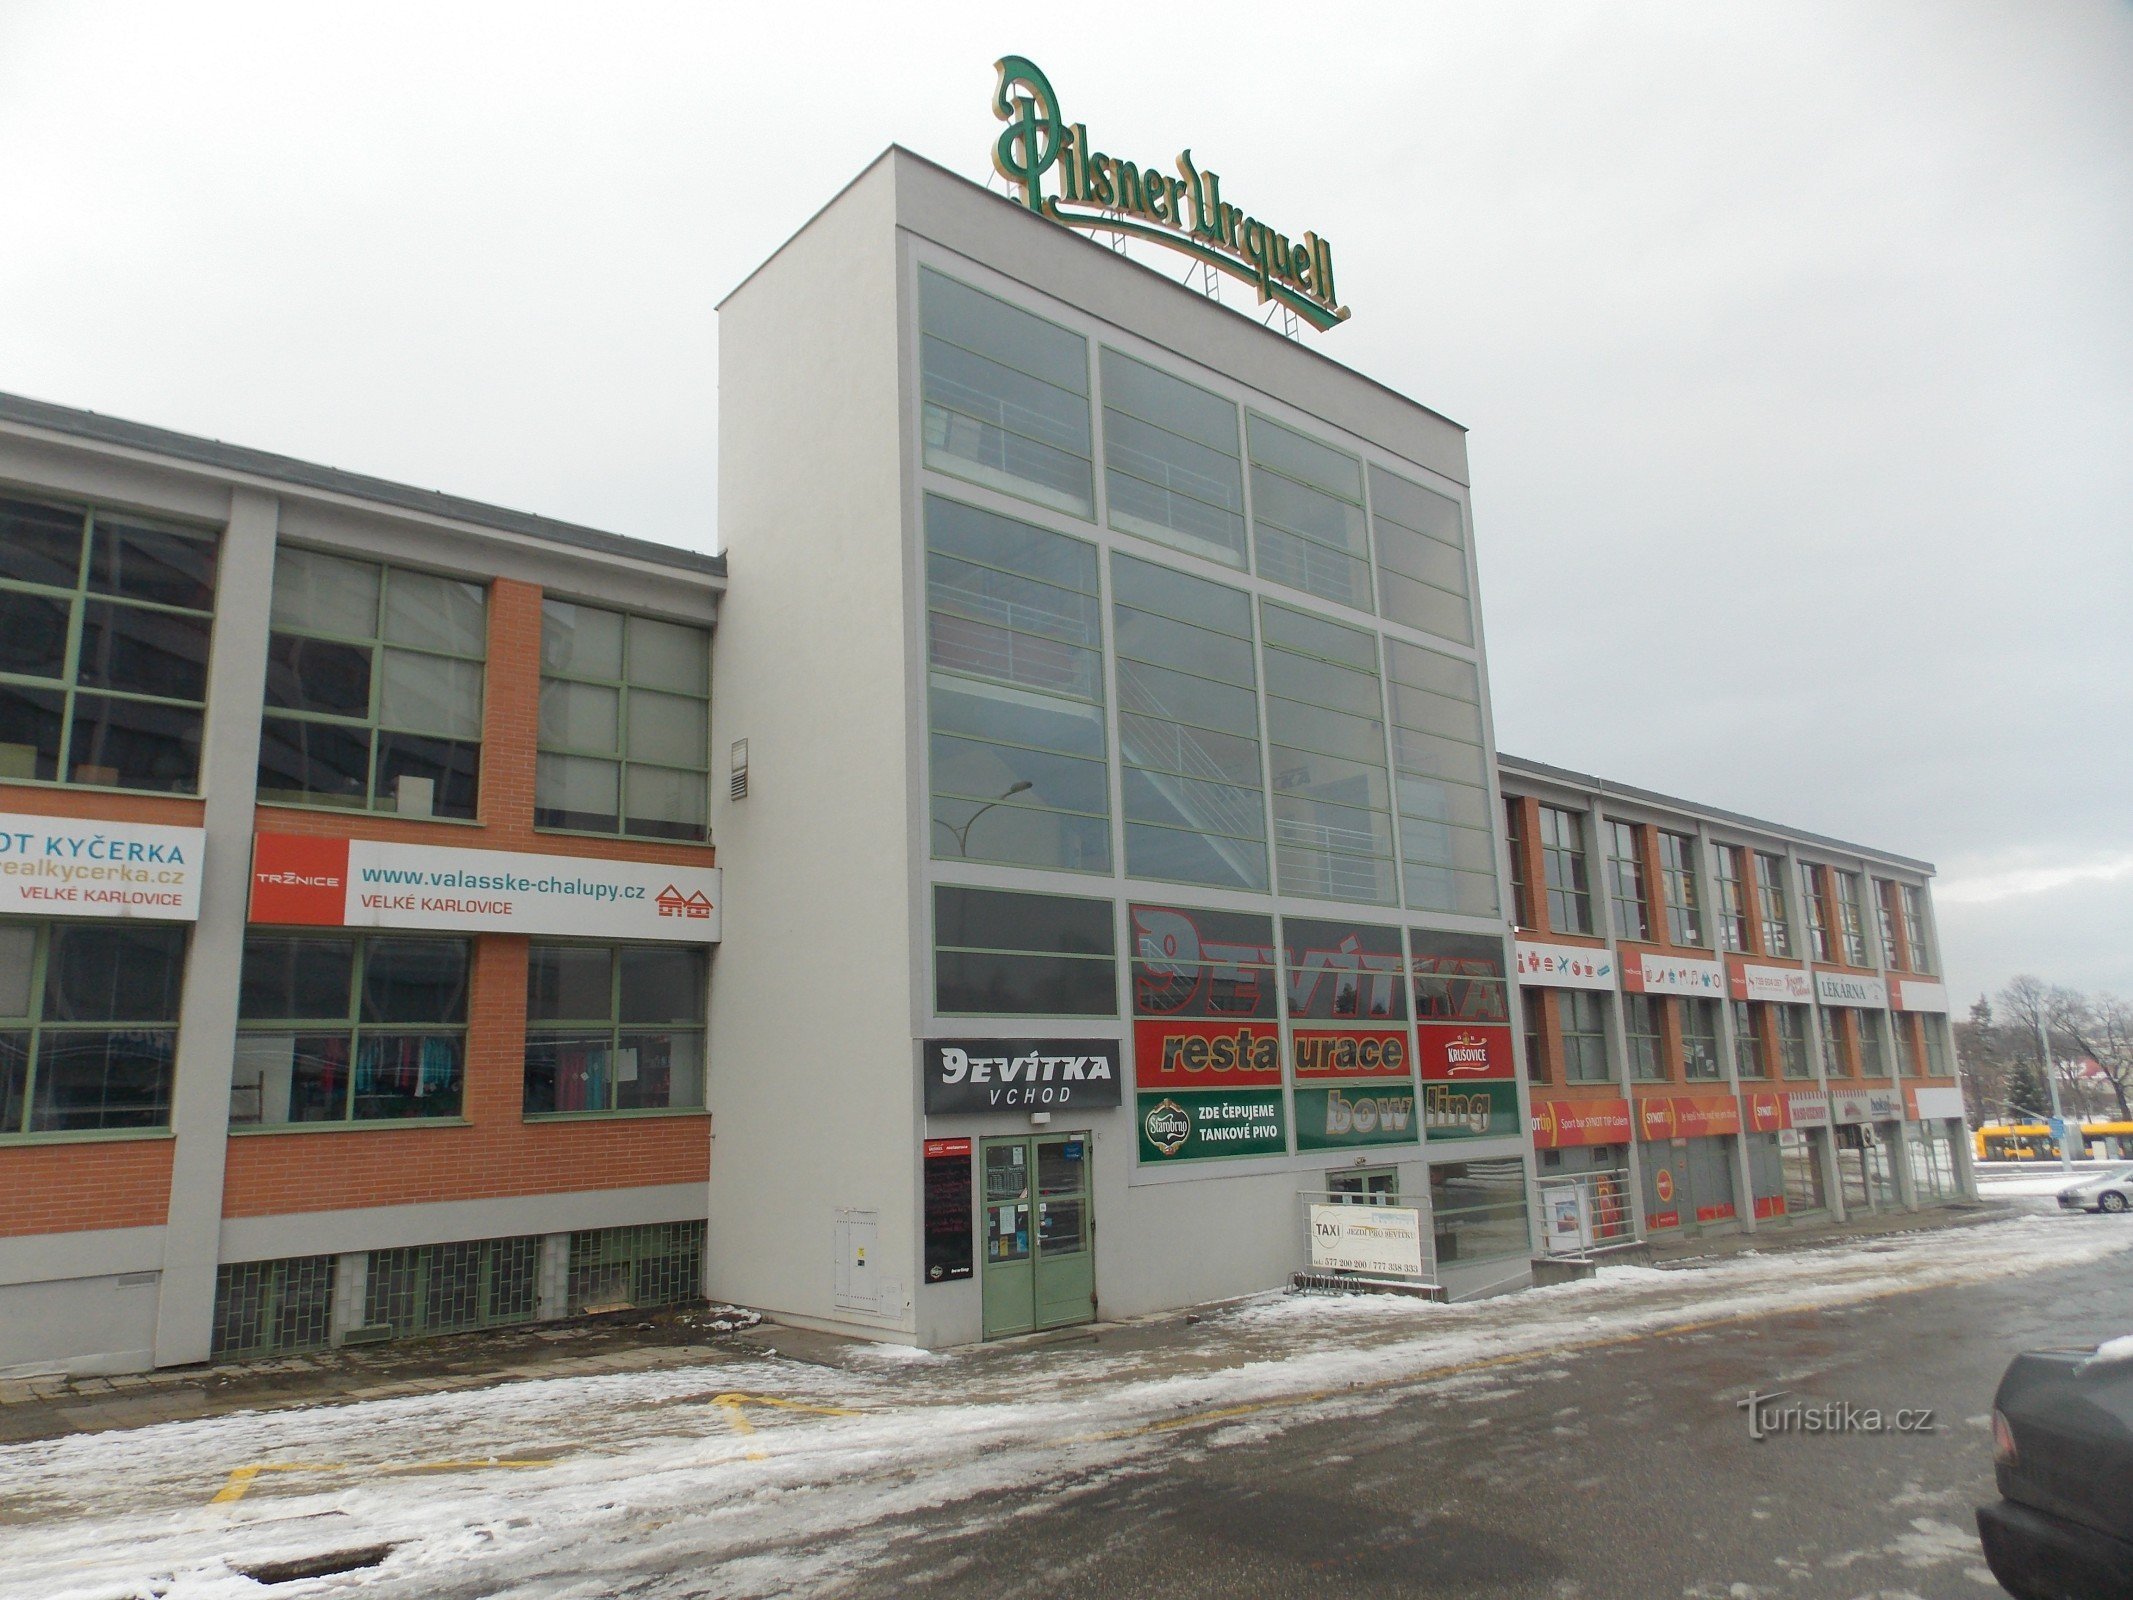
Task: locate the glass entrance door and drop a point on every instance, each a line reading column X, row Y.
column 1372, row 1186
column 1040, row 1249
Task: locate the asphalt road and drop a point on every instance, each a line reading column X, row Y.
column 1627, row 1472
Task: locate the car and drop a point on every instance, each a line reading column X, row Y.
column 2109, row 1191
column 2062, row 1435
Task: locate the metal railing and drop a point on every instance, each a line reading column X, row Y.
column 1607, row 1215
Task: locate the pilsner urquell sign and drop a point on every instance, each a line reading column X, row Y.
column 1186, row 213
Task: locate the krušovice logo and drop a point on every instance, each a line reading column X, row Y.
column 1186, row 213
column 1168, row 1126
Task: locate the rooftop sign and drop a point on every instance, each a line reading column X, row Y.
column 1186, row 213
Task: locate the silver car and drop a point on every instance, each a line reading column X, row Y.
column 2108, row 1191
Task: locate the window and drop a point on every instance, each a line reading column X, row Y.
column 1792, row 1040
column 1421, row 548
column 1563, row 866
column 1326, row 751
column 1533, row 1008
column 104, row 630
column 1172, row 468
column 1584, row 1016
column 625, row 733
column 1015, row 693
column 1732, row 900
column 1699, row 1040
column 1002, row 954
column 615, row 1027
column 374, row 685
column 1448, row 851
column 1188, row 728
column 1873, row 1045
column 1914, row 929
column 1750, row 1059
column 88, row 1024
column 1625, row 880
column 1640, row 1031
column 1770, row 891
column 1814, row 893
column 1677, row 882
column 1478, row 1209
column 1831, row 1030
column 1349, row 972
column 1006, row 396
column 1934, row 1030
column 1851, row 919
column 1213, row 965
column 1459, row 977
column 1888, row 908
column 1514, row 826
column 333, row 1028
column 1307, row 514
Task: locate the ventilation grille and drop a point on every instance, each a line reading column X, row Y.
column 272, row 1308
column 616, row 1269
column 447, row 1288
column 740, row 769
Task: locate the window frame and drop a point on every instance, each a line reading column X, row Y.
column 1592, row 1042
column 1571, row 887
column 1109, row 959
column 615, row 1028
column 1629, row 896
column 35, row 1027
column 1734, row 929
column 1678, row 889
column 1645, row 1046
column 1775, row 915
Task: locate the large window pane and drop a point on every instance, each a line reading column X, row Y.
column 434, row 613
column 581, row 641
column 320, row 763
column 607, row 673
column 134, row 744
column 40, row 544
column 18, row 967
column 667, row 655
column 96, row 1079
column 325, row 594
column 1173, row 471
column 296, row 976
column 1421, row 551
column 159, row 565
column 574, row 792
column 408, row 1075
column 665, row 803
column 322, row 675
column 33, row 633
column 415, row 980
column 430, row 694
column 30, row 724
column 449, row 767
column 662, row 984
column 102, row 973
column 669, row 729
column 570, row 982
column 580, row 716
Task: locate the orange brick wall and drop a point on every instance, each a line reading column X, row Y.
column 71, row 1187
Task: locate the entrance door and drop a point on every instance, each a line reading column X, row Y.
column 1372, row 1186
column 1040, row 1247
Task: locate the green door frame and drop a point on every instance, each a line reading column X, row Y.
column 1039, row 1263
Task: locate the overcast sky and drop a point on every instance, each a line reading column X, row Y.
column 1796, row 341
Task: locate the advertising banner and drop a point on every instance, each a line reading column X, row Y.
column 1851, row 989
column 1918, row 994
column 1850, row 1108
column 1931, row 1105
column 367, row 883
column 1683, row 1116
column 1884, row 1105
column 1210, row 1123
column 1453, row 1051
column 1768, row 1206
column 1765, row 1110
column 1807, row 1110
column 1348, row 1053
column 947, row 1193
column 1647, row 973
column 1469, row 1110
column 1785, row 985
column 1562, row 1124
column 1384, row 1240
column 1176, row 1054
column 1566, row 1213
column 66, row 867
column 1355, row 1114
column 1021, row 1075
column 1565, row 966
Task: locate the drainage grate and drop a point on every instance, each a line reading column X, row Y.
column 265, row 1308
column 657, row 1264
column 447, row 1288
column 318, row 1566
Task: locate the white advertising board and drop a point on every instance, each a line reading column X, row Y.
column 1934, row 1104
column 1851, row 989
column 1786, row 985
column 1565, row 966
column 1568, row 1216
column 1918, row 994
column 1386, row 1240
column 69, row 867
column 1658, row 974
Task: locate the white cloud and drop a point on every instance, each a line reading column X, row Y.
column 2009, row 883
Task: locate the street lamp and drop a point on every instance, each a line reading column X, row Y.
column 962, row 834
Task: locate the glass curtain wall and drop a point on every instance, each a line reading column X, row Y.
column 1448, row 855
column 1307, row 515
column 1421, row 549
column 1326, row 743
column 1172, row 469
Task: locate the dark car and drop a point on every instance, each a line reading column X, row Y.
column 2062, row 1435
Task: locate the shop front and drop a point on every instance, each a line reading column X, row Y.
column 1869, row 1144
column 1935, row 1137
column 1688, row 1159
column 1583, row 1145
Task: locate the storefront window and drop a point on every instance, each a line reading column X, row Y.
column 374, row 688
column 105, row 624
column 1344, row 972
column 1478, row 1209
column 1188, row 728
column 1770, row 891
column 88, row 1025
column 614, row 1027
column 1448, row 853
column 997, row 953
column 1640, row 1030
column 1172, row 468
column 1006, row 396
column 1584, row 1036
column 1563, row 865
column 1307, row 514
column 1459, row 977
column 334, row 1028
column 1206, row 965
column 625, row 730
column 1015, row 693
column 1421, row 548
column 1625, row 880
column 1699, row 1040
column 1326, row 750
column 1802, row 1158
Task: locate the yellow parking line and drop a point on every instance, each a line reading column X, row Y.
column 241, row 1478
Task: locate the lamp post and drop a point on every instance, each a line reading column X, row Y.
column 962, row 834
column 2051, row 1079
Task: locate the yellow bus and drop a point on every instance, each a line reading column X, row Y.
column 2033, row 1141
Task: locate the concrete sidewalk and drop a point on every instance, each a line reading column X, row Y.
column 45, row 1408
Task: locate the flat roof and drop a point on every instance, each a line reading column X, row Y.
column 93, row 425
column 1595, row 785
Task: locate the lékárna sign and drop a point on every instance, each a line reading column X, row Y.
column 1186, row 213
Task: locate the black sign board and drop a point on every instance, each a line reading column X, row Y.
column 1021, row 1074
column 948, row 1232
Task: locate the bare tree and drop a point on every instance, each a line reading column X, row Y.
column 2103, row 1031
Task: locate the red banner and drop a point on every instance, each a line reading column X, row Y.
column 1205, row 1055
column 1768, row 1206
column 1450, row 1051
column 1684, row 1116
column 947, row 1147
column 299, row 879
column 1766, row 1112
column 1348, row 1052
column 1558, row 1124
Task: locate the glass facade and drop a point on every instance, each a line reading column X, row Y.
column 1421, row 558
column 1326, row 750
column 1440, row 761
column 1307, row 514
column 625, row 729
column 1172, row 468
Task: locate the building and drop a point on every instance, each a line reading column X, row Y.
column 1112, row 856
column 1727, row 1023
column 301, row 776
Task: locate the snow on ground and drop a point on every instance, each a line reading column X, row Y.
column 2014, row 1185
column 781, row 1476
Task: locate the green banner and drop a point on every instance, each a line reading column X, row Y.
column 1469, row 1110
column 1356, row 1114
column 1189, row 1126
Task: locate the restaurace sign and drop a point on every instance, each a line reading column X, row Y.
column 1185, row 213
